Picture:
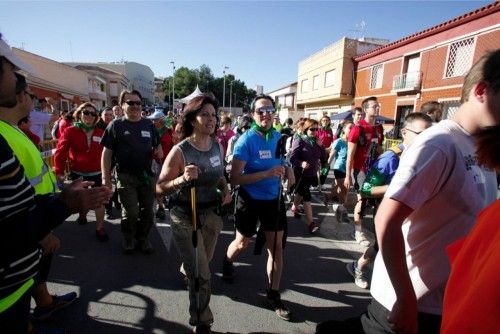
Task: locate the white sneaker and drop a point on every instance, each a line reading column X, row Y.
column 361, row 238
column 355, row 272
column 335, row 207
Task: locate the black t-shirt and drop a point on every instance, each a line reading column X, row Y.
column 132, row 144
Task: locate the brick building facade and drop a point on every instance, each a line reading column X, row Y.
column 429, row 65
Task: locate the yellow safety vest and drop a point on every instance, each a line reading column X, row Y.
column 40, row 176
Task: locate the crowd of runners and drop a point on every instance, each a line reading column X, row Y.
column 201, row 168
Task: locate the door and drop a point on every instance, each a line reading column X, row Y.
column 412, row 70
column 401, row 113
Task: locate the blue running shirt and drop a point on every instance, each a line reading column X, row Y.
column 259, row 155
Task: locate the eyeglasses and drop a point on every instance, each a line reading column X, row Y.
column 375, row 106
column 262, row 110
column 415, row 132
column 32, row 96
column 89, row 113
column 313, row 129
column 134, row 103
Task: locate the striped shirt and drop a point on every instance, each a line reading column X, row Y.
column 18, row 261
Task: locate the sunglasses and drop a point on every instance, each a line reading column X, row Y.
column 269, row 110
column 415, row 132
column 313, row 129
column 133, row 103
column 89, row 113
column 32, row 96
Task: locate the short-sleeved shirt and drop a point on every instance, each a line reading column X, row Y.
column 132, row 144
column 440, row 180
column 223, row 138
column 340, row 147
column 325, row 136
column 38, row 122
column 259, row 155
column 373, row 137
column 387, row 164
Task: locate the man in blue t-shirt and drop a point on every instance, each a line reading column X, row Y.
column 258, row 171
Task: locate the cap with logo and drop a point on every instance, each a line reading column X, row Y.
column 156, row 115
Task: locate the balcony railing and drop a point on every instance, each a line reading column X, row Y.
column 407, row 81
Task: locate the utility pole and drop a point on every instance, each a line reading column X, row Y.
column 224, row 89
column 231, row 97
column 173, row 85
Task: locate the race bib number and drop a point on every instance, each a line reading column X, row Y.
column 266, row 154
column 96, row 139
column 215, row 161
column 146, row 134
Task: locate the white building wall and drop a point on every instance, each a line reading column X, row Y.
column 57, row 75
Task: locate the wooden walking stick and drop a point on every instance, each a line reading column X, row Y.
column 194, row 239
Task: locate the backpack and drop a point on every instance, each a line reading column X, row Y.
column 373, row 177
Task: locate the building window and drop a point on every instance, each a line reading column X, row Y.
column 64, row 105
column 330, row 78
column 316, row 82
column 377, row 75
column 460, row 58
column 305, row 86
column 449, row 108
column 281, row 101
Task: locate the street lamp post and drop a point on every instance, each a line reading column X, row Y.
column 224, row 89
column 173, row 85
column 231, row 97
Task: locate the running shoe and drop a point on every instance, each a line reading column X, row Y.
column 274, row 301
column 58, row 302
column 359, row 278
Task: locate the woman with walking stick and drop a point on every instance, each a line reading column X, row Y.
column 192, row 175
column 258, row 171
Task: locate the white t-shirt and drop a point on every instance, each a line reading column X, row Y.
column 438, row 177
column 38, row 122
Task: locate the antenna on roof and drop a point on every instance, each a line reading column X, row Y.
column 359, row 32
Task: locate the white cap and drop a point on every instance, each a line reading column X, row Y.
column 6, row 51
column 157, row 115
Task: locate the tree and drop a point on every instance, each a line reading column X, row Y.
column 186, row 81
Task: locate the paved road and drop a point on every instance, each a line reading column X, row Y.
column 144, row 293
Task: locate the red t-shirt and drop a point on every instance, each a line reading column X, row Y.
column 373, row 134
column 33, row 137
column 223, row 138
column 325, row 137
column 166, row 144
column 472, row 296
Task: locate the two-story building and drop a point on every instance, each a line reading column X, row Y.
column 326, row 78
column 285, row 99
column 139, row 77
column 429, row 65
column 63, row 83
column 159, row 93
column 114, row 83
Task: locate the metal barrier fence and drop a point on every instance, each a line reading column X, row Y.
column 48, row 150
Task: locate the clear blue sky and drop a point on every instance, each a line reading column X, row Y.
column 261, row 42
